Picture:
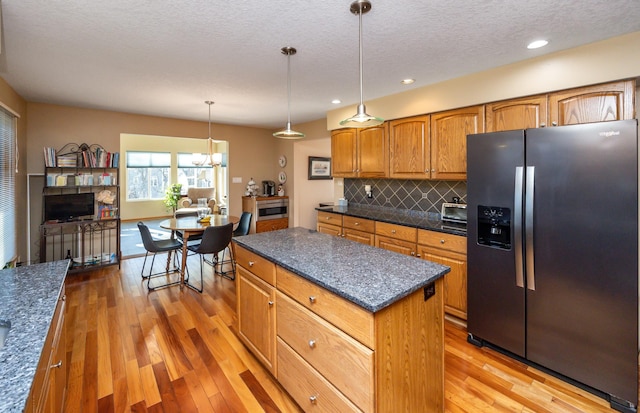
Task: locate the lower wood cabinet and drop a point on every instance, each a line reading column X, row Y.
column 358, row 229
column 449, row 250
column 397, row 238
column 255, row 293
column 48, row 390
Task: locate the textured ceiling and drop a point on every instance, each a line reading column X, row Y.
column 165, row 58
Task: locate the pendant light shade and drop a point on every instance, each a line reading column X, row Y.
column 212, row 158
column 288, row 133
column 361, row 119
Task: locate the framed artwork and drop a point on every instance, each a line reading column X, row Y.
column 319, row 167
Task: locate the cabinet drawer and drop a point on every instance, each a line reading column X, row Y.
column 343, row 361
column 359, row 322
column 307, row 387
column 330, row 218
column 396, row 231
column 256, row 264
column 272, row 225
column 449, row 242
column 359, row 224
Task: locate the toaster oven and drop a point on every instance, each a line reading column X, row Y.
column 453, row 212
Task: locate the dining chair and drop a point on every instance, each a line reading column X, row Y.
column 214, row 240
column 242, row 229
column 155, row 247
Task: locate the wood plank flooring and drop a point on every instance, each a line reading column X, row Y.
column 175, row 350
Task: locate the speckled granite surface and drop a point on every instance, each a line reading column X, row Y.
column 28, row 298
column 414, row 219
column 368, row 276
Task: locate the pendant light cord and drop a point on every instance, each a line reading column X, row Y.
column 360, row 54
column 289, row 90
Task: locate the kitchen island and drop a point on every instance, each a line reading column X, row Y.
column 341, row 325
column 29, row 304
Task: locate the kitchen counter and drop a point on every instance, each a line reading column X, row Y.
column 370, row 277
column 414, row 219
column 28, row 298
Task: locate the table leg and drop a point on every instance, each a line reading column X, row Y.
column 169, row 254
column 183, row 265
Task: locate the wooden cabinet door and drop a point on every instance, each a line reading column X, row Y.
column 455, row 282
column 396, row 245
column 373, row 152
column 409, row 148
column 256, row 317
column 449, row 132
column 605, row 102
column 343, row 153
column 362, row 237
column 529, row 112
column 324, row 228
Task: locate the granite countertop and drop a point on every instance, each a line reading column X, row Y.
column 414, row 219
column 28, row 298
column 370, row 277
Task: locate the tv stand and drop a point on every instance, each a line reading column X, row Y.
column 89, row 241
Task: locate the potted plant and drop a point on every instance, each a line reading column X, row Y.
column 172, row 196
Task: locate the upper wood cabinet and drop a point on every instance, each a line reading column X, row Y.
column 529, row 112
column 605, row 102
column 449, row 132
column 410, row 148
column 360, row 153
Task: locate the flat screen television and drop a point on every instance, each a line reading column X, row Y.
column 69, row 206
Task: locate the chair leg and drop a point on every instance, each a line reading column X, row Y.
column 233, row 265
column 193, row 287
column 158, row 274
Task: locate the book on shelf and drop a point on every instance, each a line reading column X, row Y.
column 49, row 157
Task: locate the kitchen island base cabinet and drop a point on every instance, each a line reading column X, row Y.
column 332, row 355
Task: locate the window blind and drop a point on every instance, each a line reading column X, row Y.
column 8, row 235
column 148, row 159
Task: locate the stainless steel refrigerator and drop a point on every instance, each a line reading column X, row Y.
column 552, row 243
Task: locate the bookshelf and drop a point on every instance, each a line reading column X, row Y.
column 91, row 240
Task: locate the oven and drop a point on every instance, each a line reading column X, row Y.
column 272, row 209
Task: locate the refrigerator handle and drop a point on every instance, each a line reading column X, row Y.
column 528, row 227
column 517, row 226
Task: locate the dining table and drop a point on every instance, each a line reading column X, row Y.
column 190, row 226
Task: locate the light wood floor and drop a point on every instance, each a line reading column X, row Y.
column 173, row 350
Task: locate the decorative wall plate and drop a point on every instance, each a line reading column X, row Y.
column 282, row 177
column 282, row 161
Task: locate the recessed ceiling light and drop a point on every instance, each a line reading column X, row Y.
column 336, row 101
column 536, row 44
column 407, row 81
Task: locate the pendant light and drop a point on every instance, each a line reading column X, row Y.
column 361, row 119
column 212, row 158
column 288, row 133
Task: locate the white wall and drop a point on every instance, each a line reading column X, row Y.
column 309, row 193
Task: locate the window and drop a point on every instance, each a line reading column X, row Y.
column 191, row 175
column 8, row 235
column 148, row 175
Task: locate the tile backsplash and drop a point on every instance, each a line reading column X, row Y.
column 416, row 195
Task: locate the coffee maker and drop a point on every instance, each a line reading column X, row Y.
column 268, row 188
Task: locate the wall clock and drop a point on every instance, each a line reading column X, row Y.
column 282, row 177
column 282, row 161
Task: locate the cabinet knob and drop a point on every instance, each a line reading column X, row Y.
column 433, row 170
column 554, row 123
column 251, row 263
column 357, row 223
column 313, row 399
column 418, row 255
column 328, row 218
column 442, row 241
column 312, row 343
column 393, row 231
column 413, row 253
column 312, row 299
column 57, row 365
column 542, row 125
column 63, row 298
column 270, row 303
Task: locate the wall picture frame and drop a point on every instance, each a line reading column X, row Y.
column 319, row 168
